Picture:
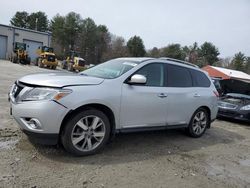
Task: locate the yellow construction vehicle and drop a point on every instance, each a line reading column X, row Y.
column 73, row 62
column 46, row 57
column 19, row 54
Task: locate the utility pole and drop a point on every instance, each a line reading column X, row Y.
column 36, row 23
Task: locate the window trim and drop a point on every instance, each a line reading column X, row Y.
column 195, row 83
column 164, row 75
column 167, row 79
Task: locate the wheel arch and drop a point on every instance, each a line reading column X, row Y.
column 208, row 111
column 103, row 108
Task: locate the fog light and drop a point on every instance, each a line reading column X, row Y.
column 32, row 123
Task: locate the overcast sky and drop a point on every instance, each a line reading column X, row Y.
column 226, row 23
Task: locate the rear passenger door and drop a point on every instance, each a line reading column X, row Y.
column 181, row 95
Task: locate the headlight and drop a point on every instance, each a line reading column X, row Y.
column 39, row 94
column 247, row 107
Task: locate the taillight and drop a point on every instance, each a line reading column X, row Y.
column 216, row 93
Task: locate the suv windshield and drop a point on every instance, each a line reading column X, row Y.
column 110, row 69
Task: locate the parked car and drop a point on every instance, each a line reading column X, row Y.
column 235, row 103
column 84, row 110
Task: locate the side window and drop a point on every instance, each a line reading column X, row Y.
column 154, row 73
column 178, row 76
column 200, row 79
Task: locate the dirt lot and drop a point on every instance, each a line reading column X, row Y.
column 221, row 158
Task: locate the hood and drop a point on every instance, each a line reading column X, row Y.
column 235, row 86
column 59, row 79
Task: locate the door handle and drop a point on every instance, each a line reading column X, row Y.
column 197, row 95
column 162, row 95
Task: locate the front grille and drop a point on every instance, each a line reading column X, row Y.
column 51, row 58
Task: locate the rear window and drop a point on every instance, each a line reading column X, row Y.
column 178, row 76
column 200, row 79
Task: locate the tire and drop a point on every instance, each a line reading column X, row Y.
column 15, row 59
column 70, row 67
column 78, row 136
column 198, row 123
column 36, row 62
column 63, row 64
column 28, row 60
column 40, row 64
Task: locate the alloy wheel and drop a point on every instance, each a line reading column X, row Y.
column 199, row 122
column 88, row 133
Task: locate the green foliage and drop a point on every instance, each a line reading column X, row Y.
column 72, row 29
column 103, row 40
column 71, row 32
column 238, row 61
column 38, row 21
column 89, row 40
column 247, row 65
column 24, row 20
column 173, row 51
column 57, row 27
column 208, row 54
column 191, row 53
column 136, row 47
column 155, row 52
column 20, row 19
column 116, row 48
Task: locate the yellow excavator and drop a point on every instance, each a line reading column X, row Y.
column 73, row 62
column 46, row 57
column 20, row 54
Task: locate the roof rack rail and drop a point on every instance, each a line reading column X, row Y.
column 179, row 61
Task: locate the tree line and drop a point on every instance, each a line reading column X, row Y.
column 96, row 44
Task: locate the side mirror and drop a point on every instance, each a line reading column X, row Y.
column 137, row 79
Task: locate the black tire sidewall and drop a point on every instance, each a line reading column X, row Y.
column 66, row 133
column 190, row 127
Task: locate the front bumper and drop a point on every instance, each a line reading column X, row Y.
column 80, row 68
column 50, row 63
column 243, row 115
column 42, row 138
column 49, row 115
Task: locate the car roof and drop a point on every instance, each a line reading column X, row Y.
column 136, row 59
column 167, row 59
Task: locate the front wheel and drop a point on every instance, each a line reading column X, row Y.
column 199, row 123
column 40, row 64
column 86, row 133
column 70, row 67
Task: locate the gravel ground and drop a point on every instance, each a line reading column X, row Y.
column 221, row 158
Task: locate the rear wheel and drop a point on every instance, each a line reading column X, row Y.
column 199, row 123
column 86, row 133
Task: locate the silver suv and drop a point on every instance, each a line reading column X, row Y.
column 82, row 111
